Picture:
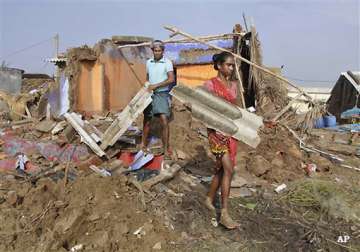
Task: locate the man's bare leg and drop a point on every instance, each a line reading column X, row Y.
column 165, row 132
column 146, row 131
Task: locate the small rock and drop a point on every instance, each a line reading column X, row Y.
column 280, row 188
column 12, row 198
column 184, row 235
column 9, row 177
column 23, row 221
column 242, row 192
column 157, row 246
column 294, row 151
column 278, row 161
column 268, row 195
column 214, row 222
column 4, row 107
column 94, row 217
column 45, row 126
column 238, row 181
column 258, row 165
column 59, row 203
column 181, row 155
column 123, row 229
column 77, row 248
column 148, row 227
column 2, row 200
column 322, row 163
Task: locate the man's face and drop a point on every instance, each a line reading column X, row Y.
column 158, row 52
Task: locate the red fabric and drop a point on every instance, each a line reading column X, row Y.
column 220, row 144
column 154, row 164
column 216, row 86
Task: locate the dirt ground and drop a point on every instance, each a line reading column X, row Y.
column 111, row 214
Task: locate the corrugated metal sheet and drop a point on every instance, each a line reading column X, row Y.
column 10, row 80
column 352, row 81
column 194, row 53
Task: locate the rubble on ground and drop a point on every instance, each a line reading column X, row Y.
column 48, row 216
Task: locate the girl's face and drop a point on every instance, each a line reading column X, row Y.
column 227, row 68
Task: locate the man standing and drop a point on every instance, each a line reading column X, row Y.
column 160, row 74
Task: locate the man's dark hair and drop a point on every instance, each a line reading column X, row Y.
column 158, row 43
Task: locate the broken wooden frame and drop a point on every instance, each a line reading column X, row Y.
column 91, row 136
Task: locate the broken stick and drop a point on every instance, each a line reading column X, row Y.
column 187, row 35
column 68, row 166
column 286, row 108
column 164, row 175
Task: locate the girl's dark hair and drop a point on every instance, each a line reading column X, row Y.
column 220, row 58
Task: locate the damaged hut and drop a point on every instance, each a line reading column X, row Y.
column 107, row 76
column 345, row 93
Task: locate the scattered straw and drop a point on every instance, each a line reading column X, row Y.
column 315, row 112
column 326, row 197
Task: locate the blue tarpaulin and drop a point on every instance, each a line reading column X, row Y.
column 194, row 53
column 350, row 113
column 346, row 127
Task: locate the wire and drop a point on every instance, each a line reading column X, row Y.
column 26, row 48
column 302, row 80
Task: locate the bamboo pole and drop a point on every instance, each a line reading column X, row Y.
column 236, row 48
column 245, row 23
column 187, row 35
column 132, row 69
column 184, row 40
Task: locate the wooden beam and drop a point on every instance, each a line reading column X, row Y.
column 184, row 40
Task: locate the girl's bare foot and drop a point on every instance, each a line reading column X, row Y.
column 227, row 221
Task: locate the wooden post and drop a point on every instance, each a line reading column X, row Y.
column 240, row 86
column 238, row 29
column 300, row 90
column 246, row 27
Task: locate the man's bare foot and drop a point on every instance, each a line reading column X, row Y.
column 227, row 221
column 168, row 154
column 144, row 148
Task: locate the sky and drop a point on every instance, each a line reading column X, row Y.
column 315, row 40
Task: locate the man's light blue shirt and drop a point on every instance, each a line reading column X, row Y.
column 157, row 71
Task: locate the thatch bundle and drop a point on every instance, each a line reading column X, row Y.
column 270, row 92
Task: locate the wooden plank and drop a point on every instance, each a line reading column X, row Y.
column 124, row 120
column 73, row 119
